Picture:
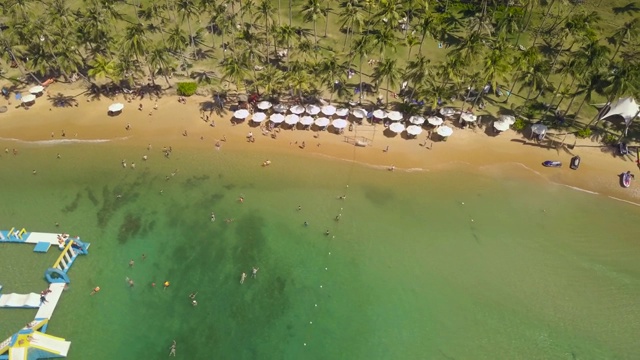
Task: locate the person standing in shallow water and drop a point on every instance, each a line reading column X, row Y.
column 172, row 350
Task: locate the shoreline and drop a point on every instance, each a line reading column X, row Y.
column 43, row 124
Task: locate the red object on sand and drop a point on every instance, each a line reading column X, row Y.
column 48, row 82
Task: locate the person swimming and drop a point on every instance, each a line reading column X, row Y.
column 242, row 277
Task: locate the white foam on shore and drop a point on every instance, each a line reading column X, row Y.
column 624, row 201
column 62, row 141
column 580, row 189
column 372, row 166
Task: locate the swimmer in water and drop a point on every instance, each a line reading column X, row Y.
column 213, row 217
column 242, row 277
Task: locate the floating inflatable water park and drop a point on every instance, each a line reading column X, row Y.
column 32, row 342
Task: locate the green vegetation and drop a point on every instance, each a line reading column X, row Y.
column 519, row 124
column 545, row 57
column 584, row 133
column 187, row 88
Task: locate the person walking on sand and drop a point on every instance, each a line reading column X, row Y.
column 172, row 350
column 242, row 277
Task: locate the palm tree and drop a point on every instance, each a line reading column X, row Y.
column 411, row 41
column 520, row 62
column 384, row 40
column 102, row 68
column 312, row 11
column 361, row 48
column 325, row 14
column 270, row 80
column 331, row 73
column 496, row 65
column 417, row 71
column 135, row 42
column 177, row 40
column 351, row 20
column 188, row 10
column 159, row 62
column 624, row 35
column 386, row 70
column 265, row 13
column 534, row 77
column 235, row 70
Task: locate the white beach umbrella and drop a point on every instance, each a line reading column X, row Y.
column 434, row 120
column 539, row 129
column 379, row 114
column 291, row 119
column 413, row 130
column 28, row 98
column 395, row 116
column 501, row 125
column 339, row 123
column 444, row 131
column 36, row 89
column 306, row 120
column 312, row 109
column 396, row 127
column 342, row 112
column 115, row 107
column 258, row 117
column 297, row 109
column 468, row 117
column 359, row 113
column 322, row 121
column 276, row 118
column 416, row 120
column 508, row 119
column 281, row 108
column 264, row 105
column 329, row 110
column 241, row 114
column 447, row 112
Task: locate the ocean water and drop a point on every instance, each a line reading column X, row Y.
column 488, row 263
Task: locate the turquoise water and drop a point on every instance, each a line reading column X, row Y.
column 457, row 264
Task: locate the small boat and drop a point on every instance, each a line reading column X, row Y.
column 575, row 163
column 550, row 163
column 626, row 179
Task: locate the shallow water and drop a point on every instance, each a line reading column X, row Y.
column 445, row 264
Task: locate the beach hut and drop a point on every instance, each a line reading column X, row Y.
column 501, row 126
column 417, row 120
column 241, row 114
column 280, row 108
column 36, row 90
column 264, row 105
column 446, row 112
column 328, row 110
column 276, row 118
column 379, row 114
column 292, row 120
column 28, row 99
column 510, row 119
column 297, row 109
column 444, row 131
column 468, row 117
column 312, row 109
column 395, row 116
column 414, row 130
column 258, row 117
column 115, row 108
column 306, row 121
column 540, row 130
column 435, row 120
column 322, row 122
column 339, row 125
column 396, row 127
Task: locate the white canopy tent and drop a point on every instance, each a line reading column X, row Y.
column 627, row 108
column 258, row 117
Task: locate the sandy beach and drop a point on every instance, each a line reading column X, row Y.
column 183, row 125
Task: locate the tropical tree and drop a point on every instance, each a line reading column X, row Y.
column 332, row 74
column 624, row 35
column 386, row 71
column 312, row 11
column 265, row 14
